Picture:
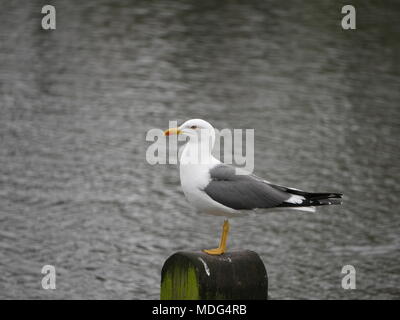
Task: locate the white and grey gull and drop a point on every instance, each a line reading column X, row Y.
column 215, row 188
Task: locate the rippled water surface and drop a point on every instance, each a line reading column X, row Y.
column 76, row 103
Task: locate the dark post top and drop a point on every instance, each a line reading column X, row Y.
column 197, row 275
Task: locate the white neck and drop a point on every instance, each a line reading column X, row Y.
column 198, row 151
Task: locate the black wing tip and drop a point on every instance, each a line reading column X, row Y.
column 325, row 199
column 335, row 195
column 328, row 201
column 323, row 196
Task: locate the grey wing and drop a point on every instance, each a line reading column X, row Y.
column 242, row 192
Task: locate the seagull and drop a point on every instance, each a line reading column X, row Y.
column 219, row 189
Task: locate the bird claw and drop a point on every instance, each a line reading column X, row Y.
column 214, row 252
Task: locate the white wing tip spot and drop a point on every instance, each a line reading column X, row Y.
column 295, row 199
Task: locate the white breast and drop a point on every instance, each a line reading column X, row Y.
column 194, row 179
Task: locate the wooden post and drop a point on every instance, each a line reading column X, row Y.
column 199, row 276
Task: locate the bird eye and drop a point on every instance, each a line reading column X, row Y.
column 193, row 127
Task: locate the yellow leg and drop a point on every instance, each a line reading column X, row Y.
column 222, row 244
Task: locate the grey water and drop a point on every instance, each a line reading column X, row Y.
column 76, row 103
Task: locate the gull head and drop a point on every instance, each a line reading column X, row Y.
column 194, row 128
column 201, row 140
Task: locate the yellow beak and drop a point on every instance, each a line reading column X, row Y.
column 172, row 131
